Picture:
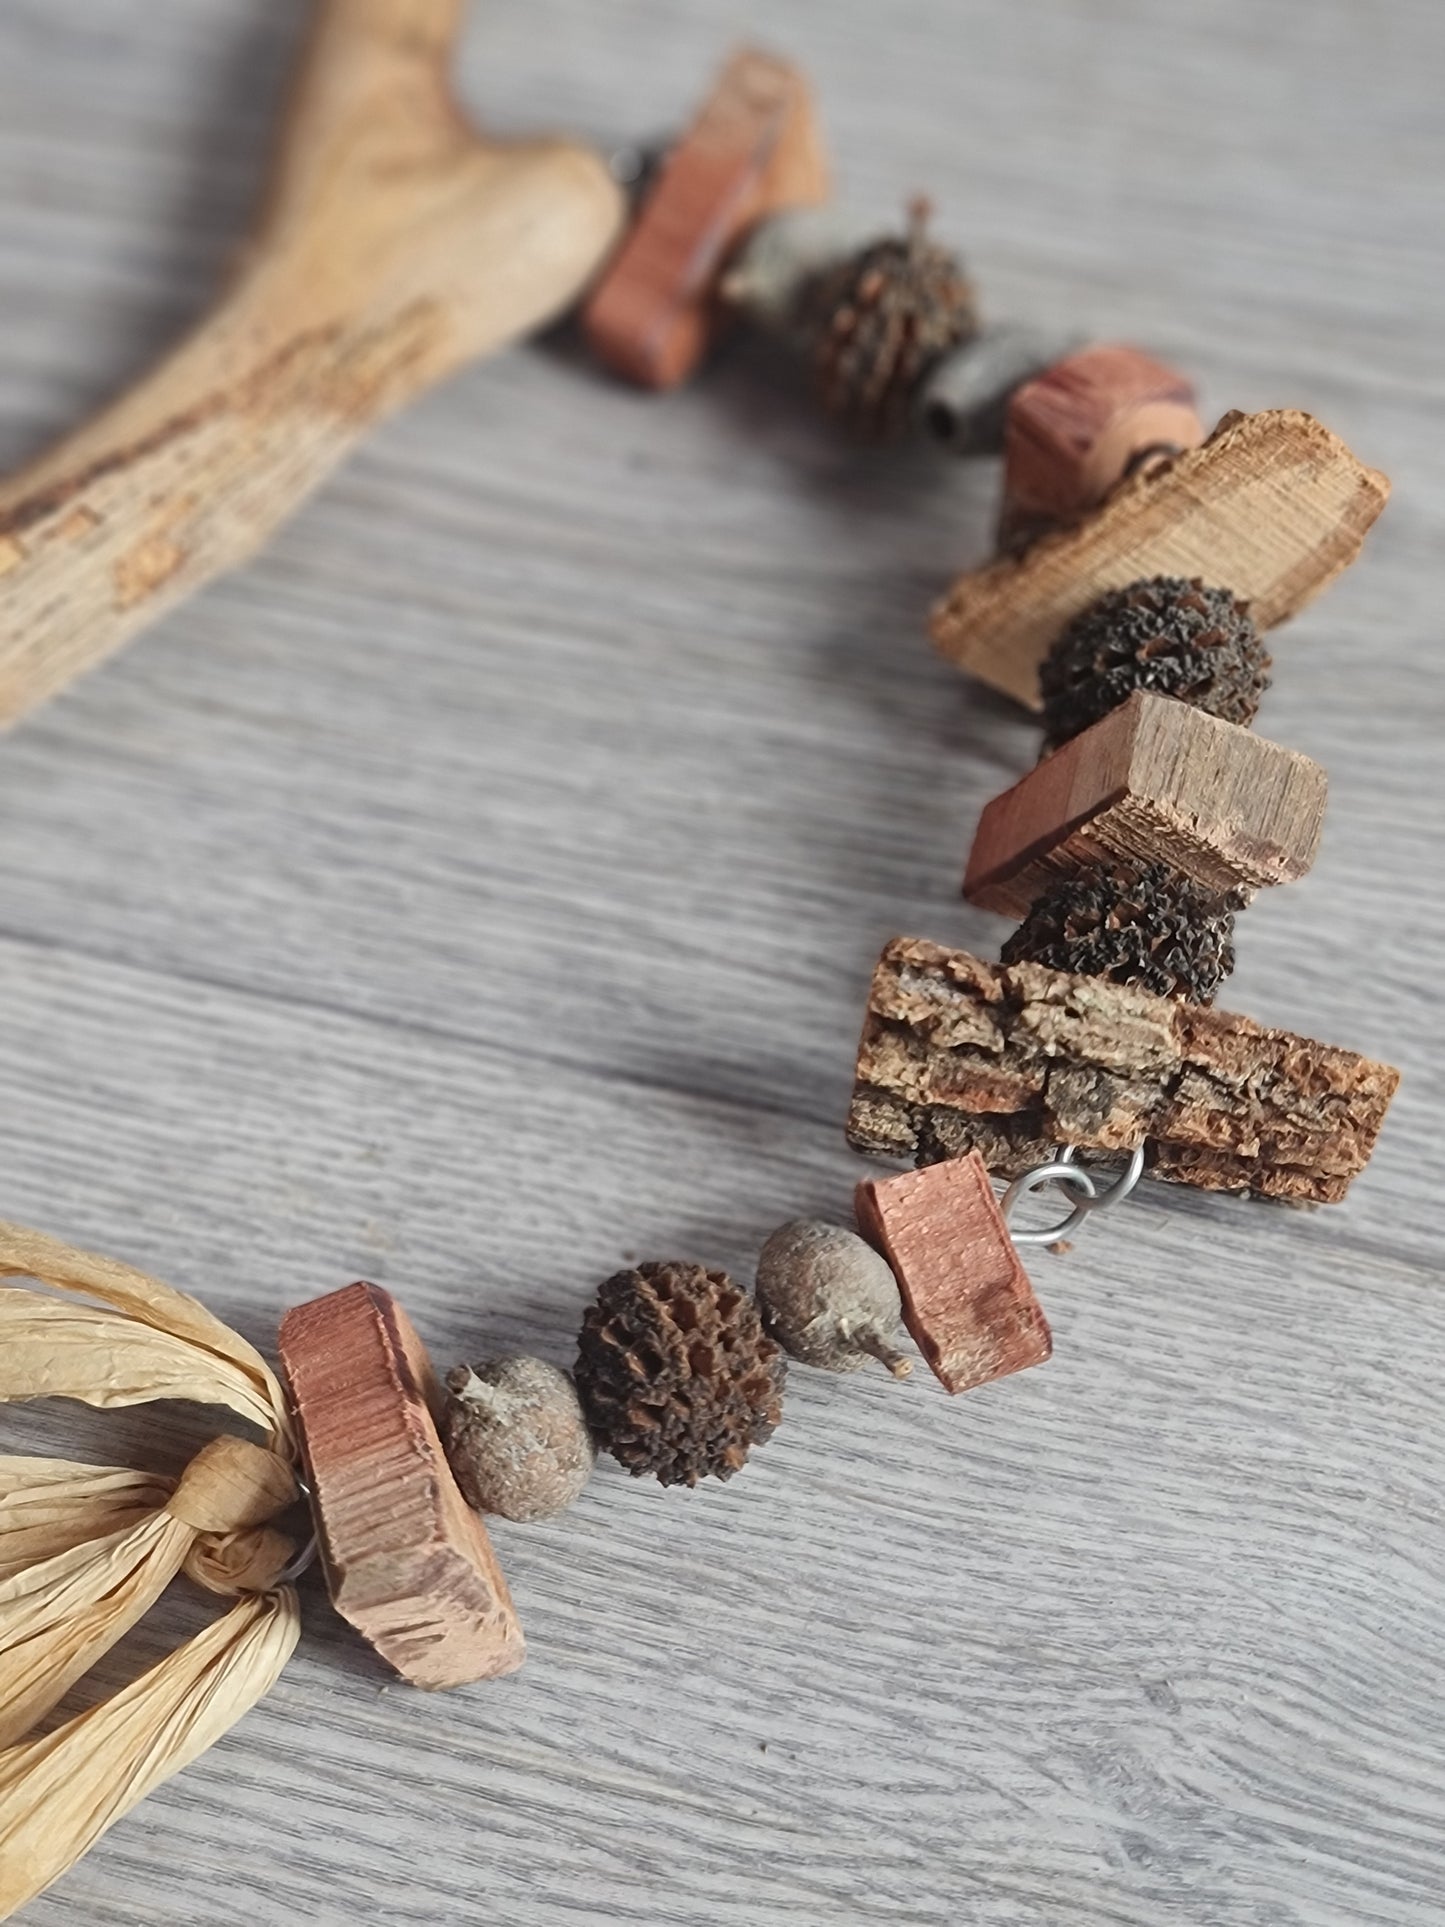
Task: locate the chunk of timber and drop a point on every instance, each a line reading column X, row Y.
column 967, row 1299
column 1156, row 781
column 1272, row 507
column 1074, row 431
column 408, row 1562
column 754, row 149
column 1012, row 1061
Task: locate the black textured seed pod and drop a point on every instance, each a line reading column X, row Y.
column 879, row 322
column 1167, row 634
column 676, row 1374
column 1146, row 926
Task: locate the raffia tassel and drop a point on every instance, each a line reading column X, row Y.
column 59, row 1793
column 86, row 1550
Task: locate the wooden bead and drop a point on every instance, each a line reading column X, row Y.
column 1154, row 781
column 408, row 1562
column 967, row 1299
column 754, row 149
column 1272, row 507
column 1078, row 428
column 1013, row 1060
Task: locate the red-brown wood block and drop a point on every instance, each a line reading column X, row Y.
column 1154, row 781
column 967, row 1299
column 408, row 1562
column 1075, row 430
column 754, row 149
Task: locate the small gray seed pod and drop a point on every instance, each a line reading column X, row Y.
column 829, row 1299
column 516, row 1437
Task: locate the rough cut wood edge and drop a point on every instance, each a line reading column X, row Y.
column 393, row 246
column 753, row 150
column 959, row 1055
column 1273, row 507
column 967, row 1300
column 1154, row 781
column 408, row 1562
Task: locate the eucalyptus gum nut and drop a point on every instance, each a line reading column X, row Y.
column 828, row 1298
column 516, row 1437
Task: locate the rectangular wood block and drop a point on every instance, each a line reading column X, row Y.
column 967, row 1299
column 1271, row 507
column 753, row 150
column 408, row 1561
column 1074, row 430
column 1159, row 781
column 1011, row 1061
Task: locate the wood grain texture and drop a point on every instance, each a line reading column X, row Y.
column 484, row 886
column 1272, row 507
column 1155, row 781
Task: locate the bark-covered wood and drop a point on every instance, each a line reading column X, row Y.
column 967, row 1300
column 408, row 1562
column 1156, row 781
column 1272, row 507
column 1012, row 1061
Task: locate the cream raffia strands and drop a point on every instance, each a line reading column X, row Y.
column 85, row 1550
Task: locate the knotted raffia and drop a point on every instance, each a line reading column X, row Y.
column 85, row 1550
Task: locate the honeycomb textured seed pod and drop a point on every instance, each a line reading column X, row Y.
column 880, row 321
column 1168, row 634
column 676, row 1374
column 1147, row 926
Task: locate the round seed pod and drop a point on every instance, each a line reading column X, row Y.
column 1146, row 926
column 1165, row 633
column 829, row 1299
column 516, row 1437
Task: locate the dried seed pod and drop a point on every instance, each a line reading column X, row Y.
column 881, row 320
column 829, row 1298
column 1166, row 633
column 1148, row 926
column 516, row 1437
column 676, row 1374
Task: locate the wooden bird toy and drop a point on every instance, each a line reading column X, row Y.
column 394, row 244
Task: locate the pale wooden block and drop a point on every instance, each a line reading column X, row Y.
column 754, row 149
column 1080, row 426
column 1012, row 1061
column 408, row 1562
column 1156, row 780
column 1272, row 507
column 967, row 1300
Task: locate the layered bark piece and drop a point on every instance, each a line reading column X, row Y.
column 1078, row 428
column 408, row 1561
column 1272, row 507
column 966, row 1297
column 1154, row 781
column 1012, row 1061
column 753, row 150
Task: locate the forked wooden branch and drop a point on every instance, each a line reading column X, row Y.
column 393, row 244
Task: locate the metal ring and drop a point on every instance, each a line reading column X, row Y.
column 1058, row 1171
column 1122, row 1186
column 306, row 1557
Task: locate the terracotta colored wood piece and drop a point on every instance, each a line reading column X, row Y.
column 967, row 1300
column 754, row 150
column 1011, row 1061
column 1158, row 781
column 1079, row 427
column 1272, row 507
column 408, row 1562
column 394, row 245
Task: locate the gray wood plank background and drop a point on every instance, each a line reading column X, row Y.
column 483, row 886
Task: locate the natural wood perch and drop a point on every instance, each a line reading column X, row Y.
column 1012, row 1061
column 393, row 245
